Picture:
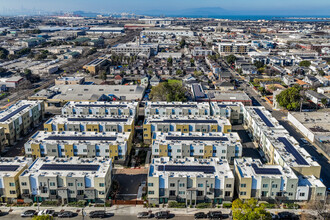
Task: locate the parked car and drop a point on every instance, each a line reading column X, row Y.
column 46, row 212
column 274, row 216
column 162, row 214
column 29, row 213
column 200, row 215
column 144, row 215
column 214, row 215
column 304, row 140
column 287, row 216
column 97, row 214
column 65, row 214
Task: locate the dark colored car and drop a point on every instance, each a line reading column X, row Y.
column 144, row 215
column 200, row 215
column 162, row 214
column 97, row 214
column 214, row 215
column 29, row 213
column 287, row 216
column 65, row 214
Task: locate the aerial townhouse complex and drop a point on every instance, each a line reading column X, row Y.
column 197, row 145
column 83, row 144
column 231, row 110
column 190, row 180
column 19, row 118
column 10, row 170
column 176, row 108
column 67, row 179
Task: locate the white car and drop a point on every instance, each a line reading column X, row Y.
column 46, row 212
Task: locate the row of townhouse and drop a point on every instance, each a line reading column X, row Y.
column 55, row 179
column 184, row 124
column 18, row 119
column 198, row 145
column 83, row 144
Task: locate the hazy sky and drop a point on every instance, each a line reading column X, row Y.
column 312, row 6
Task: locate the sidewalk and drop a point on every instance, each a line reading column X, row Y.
column 124, row 210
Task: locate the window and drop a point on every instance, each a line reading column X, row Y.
column 181, row 192
column 80, row 192
column 200, row 184
column 264, row 193
column 52, row 192
column 101, row 193
column 150, row 184
column 156, row 150
column 172, row 184
column 12, row 192
column 274, row 186
column 53, row 150
column 70, row 184
column 172, row 192
column 24, row 183
column 181, row 185
column 201, row 151
column 80, row 184
column 227, row 193
column 26, row 191
column 223, row 151
column 178, row 151
column 290, row 194
column 242, row 193
column 151, row 192
column 301, row 194
column 319, row 194
column 11, row 184
column 199, row 193
column 264, row 185
column 243, row 185
column 101, row 184
column 51, row 184
column 228, row 185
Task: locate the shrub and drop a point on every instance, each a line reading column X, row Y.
column 292, row 206
column 176, row 205
column 268, row 205
column 227, row 205
column 49, row 203
column 203, row 205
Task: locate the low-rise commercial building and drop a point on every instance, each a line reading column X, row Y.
column 83, row 144
column 183, row 124
column 67, row 179
column 11, row 168
column 69, row 80
column 198, row 145
column 94, row 66
column 176, row 108
column 19, row 118
column 190, row 180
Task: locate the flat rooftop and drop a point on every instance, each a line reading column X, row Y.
column 90, row 119
column 186, row 120
column 249, row 167
column 71, row 137
column 204, row 168
column 116, row 105
column 10, row 166
column 69, row 167
column 17, row 110
column 177, row 105
column 227, row 96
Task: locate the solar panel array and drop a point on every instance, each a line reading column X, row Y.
column 263, row 117
column 196, row 138
column 186, row 168
column 80, row 138
column 70, row 167
column 185, row 121
column 10, row 168
column 99, row 119
column 292, row 150
column 14, row 113
column 174, row 106
column 266, row 171
column 100, row 106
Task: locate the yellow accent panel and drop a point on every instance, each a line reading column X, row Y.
column 226, row 128
column 35, row 150
column 60, row 127
column 163, row 150
column 214, row 128
column 113, row 151
column 208, row 151
column 48, row 127
column 92, row 127
column 68, row 150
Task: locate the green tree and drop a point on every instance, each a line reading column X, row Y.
column 179, row 72
column 43, row 217
column 262, row 90
column 249, row 210
column 169, row 91
column 305, row 63
column 103, row 75
column 230, row 59
column 182, row 43
column 321, row 72
column 259, row 64
column 290, row 98
column 170, row 61
column 324, row 101
column 3, row 53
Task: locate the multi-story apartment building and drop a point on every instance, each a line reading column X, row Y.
column 2, row 139
column 198, row 145
column 184, row 124
column 233, row 48
column 83, row 144
column 100, row 108
column 231, row 110
column 89, row 123
column 10, row 170
column 67, row 179
column 190, row 180
column 20, row 117
column 276, row 143
column 274, row 182
column 167, row 32
column 176, row 108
